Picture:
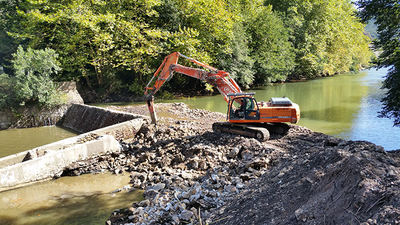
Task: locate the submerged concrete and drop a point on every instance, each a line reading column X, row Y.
column 53, row 162
column 48, row 161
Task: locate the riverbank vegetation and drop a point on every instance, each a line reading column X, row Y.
column 387, row 17
column 113, row 47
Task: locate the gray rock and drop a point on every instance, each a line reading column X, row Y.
column 300, row 215
column 194, row 197
column 186, row 175
column 239, row 185
column 233, row 153
column 214, row 177
column 175, row 219
column 186, row 215
column 151, row 194
column 144, row 203
column 247, row 155
column 157, row 187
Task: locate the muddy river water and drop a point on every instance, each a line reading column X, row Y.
column 345, row 106
column 86, row 199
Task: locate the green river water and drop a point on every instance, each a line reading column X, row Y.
column 345, row 106
column 17, row 140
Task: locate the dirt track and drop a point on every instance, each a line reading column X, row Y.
column 192, row 175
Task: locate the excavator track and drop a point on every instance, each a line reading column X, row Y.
column 259, row 133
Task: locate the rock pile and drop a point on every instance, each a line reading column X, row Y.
column 185, row 172
column 191, row 175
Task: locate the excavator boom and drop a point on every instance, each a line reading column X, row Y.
column 218, row 78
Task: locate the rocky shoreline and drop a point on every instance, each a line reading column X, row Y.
column 191, row 175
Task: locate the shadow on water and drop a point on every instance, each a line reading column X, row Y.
column 74, row 210
column 94, row 209
column 7, row 220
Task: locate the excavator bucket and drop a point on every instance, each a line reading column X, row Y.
column 150, row 105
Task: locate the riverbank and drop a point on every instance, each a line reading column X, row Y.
column 192, row 175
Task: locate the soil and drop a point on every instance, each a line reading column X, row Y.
column 318, row 179
column 194, row 176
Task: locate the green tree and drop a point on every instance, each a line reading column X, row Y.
column 214, row 22
column 207, row 25
column 95, row 39
column 261, row 50
column 113, row 46
column 239, row 62
column 6, row 91
column 327, row 36
column 270, row 46
column 8, row 17
column 387, row 18
column 31, row 83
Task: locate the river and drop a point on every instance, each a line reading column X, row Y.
column 345, row 106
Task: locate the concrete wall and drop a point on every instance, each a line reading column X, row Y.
column 103, row 129
column 49, row 160
column 85, row 118
column 53, row 162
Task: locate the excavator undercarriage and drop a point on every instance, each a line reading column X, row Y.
column 261, row 132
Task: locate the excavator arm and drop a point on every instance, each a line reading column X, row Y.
column 217, row 78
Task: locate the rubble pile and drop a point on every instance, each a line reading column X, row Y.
column 191, row 175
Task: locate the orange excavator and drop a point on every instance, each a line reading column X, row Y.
column 245, row 116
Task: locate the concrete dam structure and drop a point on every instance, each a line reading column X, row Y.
column 101, row 130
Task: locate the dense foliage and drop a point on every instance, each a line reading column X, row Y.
column 8, row 18
column 326, row 35
column 387, row 18
column 113, row 47
column 31, row 82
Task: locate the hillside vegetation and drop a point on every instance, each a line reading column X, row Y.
column 114, row 47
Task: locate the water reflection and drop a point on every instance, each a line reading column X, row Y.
column 87, row 199
column 366, row 125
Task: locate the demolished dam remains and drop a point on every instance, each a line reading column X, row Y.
column 100, row 132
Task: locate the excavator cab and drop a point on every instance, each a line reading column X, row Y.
column 243, row 107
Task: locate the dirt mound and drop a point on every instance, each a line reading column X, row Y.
column 321, row 180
